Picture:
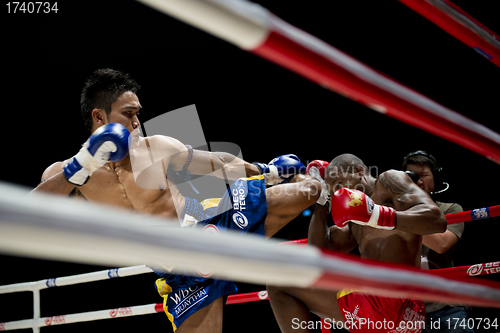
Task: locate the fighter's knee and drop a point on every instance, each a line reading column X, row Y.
column 272, row 289
column 277, row 290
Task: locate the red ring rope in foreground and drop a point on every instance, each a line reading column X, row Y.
column 461, row 271
column 460, row 25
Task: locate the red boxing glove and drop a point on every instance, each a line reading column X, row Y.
column 320, row 165
column 357, row 207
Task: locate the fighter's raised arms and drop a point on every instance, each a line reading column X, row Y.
column 183, row 157
column 411, row 203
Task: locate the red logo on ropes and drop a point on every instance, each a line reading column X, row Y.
column 488, row 268
column 262, row 294
column 55, row 320
column 2, row 326
column 475, row 270
column 211, row 229
column 120, row 312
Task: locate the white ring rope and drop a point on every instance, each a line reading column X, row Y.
column 80, row 317
column 58, row 228
column 36, row 322
column 75, row 279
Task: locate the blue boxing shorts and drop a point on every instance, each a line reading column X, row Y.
column 243, row 208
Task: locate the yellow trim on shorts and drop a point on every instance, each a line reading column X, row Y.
column 209, row 203
column 254, row 177
column 345, row 292
column 164, row 290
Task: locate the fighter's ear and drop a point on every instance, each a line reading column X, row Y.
column 99, row 116
column 359, row 170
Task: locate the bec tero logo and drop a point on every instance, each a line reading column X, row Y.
column 475, row 270
column 262, row 294
column 55, row 320
column 240, row 220
column 488, row 268
column 120, row 312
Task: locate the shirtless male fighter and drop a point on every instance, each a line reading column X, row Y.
column 102, row 172
column 387, row 218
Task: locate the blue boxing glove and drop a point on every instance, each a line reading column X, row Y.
column 281, row 169
column 107, row 143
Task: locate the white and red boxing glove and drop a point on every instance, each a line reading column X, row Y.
column 316, row 169
column 357, row 207
column 319, row 165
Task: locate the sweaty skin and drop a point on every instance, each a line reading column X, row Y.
column 416, row 215
column 114, row 184
column 393, row 189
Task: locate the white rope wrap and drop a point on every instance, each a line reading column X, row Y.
column 228, row 20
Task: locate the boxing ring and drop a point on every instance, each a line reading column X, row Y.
column 45, row 226
column 37, row 321
column 453, row 275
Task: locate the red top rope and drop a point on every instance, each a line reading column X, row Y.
column 335, row 70
column 460, row 25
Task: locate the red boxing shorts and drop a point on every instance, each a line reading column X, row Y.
column 369, row 313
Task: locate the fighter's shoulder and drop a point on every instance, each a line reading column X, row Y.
column 53, row 169
column 165, row 142
column 395, row 175
column 395, row 181
column 169, row 148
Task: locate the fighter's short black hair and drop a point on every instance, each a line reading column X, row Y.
column 102, row 89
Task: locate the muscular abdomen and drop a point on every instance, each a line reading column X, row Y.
column 390, row 246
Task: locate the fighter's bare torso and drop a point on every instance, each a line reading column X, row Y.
column 115, row 184
column 394, row 245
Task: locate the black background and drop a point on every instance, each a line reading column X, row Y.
column 240, row 98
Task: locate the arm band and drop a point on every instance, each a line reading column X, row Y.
column 190, row 157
